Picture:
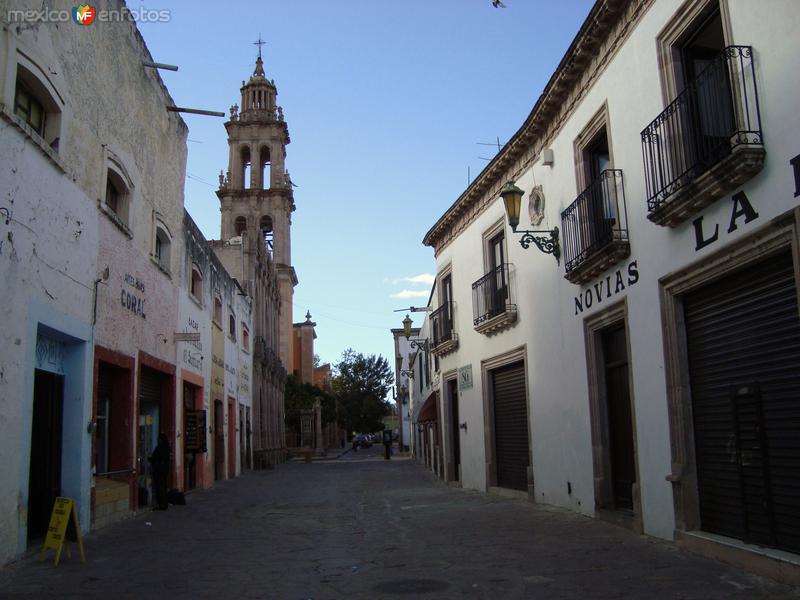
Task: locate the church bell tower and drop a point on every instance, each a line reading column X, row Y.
column 256, row 198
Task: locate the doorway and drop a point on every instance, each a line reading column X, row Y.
column 219, row 441
column 620, row 416
column 710, row 117
column 452, row 394
column 149, row 427
column 44, row 483
column 512, row 449
column 231, row 438
column 743, row 348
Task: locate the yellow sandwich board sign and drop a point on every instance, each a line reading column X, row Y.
column 64, row 527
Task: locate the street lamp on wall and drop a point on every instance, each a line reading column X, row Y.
column 407, row 326
column 545, row 240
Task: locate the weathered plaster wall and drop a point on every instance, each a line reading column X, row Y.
column 47, row 265
column 110, row 105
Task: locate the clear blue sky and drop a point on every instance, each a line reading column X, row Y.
column 385, row 101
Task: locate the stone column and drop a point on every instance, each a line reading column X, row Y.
column 318, row 445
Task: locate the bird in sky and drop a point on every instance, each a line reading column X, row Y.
column 498, row 4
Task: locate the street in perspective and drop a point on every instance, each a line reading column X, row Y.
column 363, row 527
column 455, row 299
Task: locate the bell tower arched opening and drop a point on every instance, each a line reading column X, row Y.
column 265, row 226
column 265, row 168
column 246, row 167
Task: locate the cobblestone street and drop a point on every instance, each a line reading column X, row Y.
column 362, row 527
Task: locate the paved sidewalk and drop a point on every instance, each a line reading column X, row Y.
column 362, row 527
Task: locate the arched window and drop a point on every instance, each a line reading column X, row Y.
column 265, row 168
column 161, row 252
column 240, row 225
column 232, row 326
column 265, row 225
column 245, row 337
column 35, row 103
column 246, row 168
column 218, row 312
column 118, row 195
column 196, row 284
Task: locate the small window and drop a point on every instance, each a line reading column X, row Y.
column 245, row 337
column 218, row 312
column 196, row 285
column 240, row 225
column 28, row 108
column 161, row 252
column 232, row 327
column 117, row 196
column 37, row 103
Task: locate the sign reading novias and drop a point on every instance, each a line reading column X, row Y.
column 607, row 288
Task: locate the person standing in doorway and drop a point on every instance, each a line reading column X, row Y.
column 159, row 460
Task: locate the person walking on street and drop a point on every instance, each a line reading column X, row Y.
column 159, row 460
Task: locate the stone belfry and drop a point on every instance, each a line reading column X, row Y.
column 256, row 198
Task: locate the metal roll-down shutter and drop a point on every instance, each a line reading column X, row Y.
column 743, row 337
column 511, row 426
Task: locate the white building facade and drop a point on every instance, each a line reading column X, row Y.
column 403, row 354
column 650, row 375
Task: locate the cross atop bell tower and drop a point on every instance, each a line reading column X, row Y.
column 259, row 43
column 256, row 197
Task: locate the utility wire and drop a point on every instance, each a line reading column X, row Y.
column 338, row 320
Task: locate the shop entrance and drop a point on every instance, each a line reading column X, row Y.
column 44, row 483
column 511, row 426
column 743, row 341
column 149, row 427
column 231, row 438
column 219, row 441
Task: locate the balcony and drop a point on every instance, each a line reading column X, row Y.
column 707, row 142
column 492, row 306
column 445, row 340
column 595, row 228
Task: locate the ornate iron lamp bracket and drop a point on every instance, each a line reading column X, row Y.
column 420, row 344
column 547, row 243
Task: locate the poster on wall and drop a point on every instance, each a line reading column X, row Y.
column 194, row 430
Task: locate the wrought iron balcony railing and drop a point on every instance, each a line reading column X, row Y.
column 442, row 324
column 717, row 112
column 491, row 294
column 597, row 218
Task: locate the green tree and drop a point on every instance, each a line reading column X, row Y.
column 300, row 397
column 361, row 385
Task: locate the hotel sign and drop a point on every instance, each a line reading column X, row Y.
column 465, row 378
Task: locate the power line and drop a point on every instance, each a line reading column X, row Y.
column 338, row 320
column 193, row 178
